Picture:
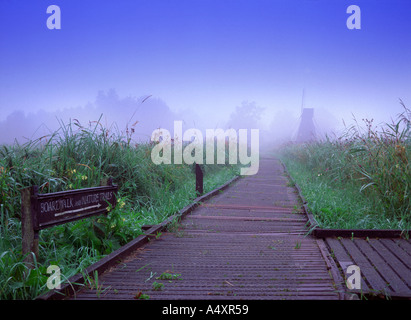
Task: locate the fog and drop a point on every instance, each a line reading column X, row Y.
column 140, row 116
column 141, row 65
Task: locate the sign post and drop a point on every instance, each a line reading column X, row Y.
column 199, row 180
column 30, row 239
column 41, row 211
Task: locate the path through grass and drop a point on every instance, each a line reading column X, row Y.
column 78, row 157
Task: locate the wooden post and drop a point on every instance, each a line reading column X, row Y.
column 199, row 180
column 30, row 240
column 40, row 211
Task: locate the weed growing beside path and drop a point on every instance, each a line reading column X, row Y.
column 78, row 157
column 361, row 180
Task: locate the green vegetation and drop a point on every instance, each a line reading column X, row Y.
column 361, row 180
column 79, row 157
column 157, row 286
column 169, row 276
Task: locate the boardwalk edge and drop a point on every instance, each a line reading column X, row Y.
column 318, row 232
column 77, row 281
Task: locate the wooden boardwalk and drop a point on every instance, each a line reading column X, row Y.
column 385, row 264
column 248, row 242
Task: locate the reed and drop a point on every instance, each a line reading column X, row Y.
column 361, row 179
column 75, row 157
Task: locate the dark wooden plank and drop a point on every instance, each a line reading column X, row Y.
column 392, row 260
column 404, row 244
column 358, row 233
column 339, row 252
column 367, row 270
column 397, row 249
column 382, row 267
column 333, row 269
column 344, row 259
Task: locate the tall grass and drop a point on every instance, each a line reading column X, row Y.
column 361, row 179
column 77, row 157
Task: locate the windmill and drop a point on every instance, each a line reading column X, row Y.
column 306, row 129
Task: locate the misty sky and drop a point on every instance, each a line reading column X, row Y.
column 208, row 56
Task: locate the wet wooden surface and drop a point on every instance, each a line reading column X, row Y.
column 248, row 242
column 384, row 264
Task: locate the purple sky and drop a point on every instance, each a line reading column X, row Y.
column 208, row 56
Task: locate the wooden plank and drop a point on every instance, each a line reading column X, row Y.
column 338, row 250
column 405, row 245
column 367, row 270
column 340, row 253
column 247, row 207
column 392, row 260
column 331, row 266
column 383, row 268
column 398, row 250
column 358, row 233
column 344, row 259
column 247, row 218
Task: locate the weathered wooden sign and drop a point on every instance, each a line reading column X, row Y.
column 40, row 211
column 61, row 207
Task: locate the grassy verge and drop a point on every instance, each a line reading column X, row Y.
column 78, row 157
column 361, row 180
